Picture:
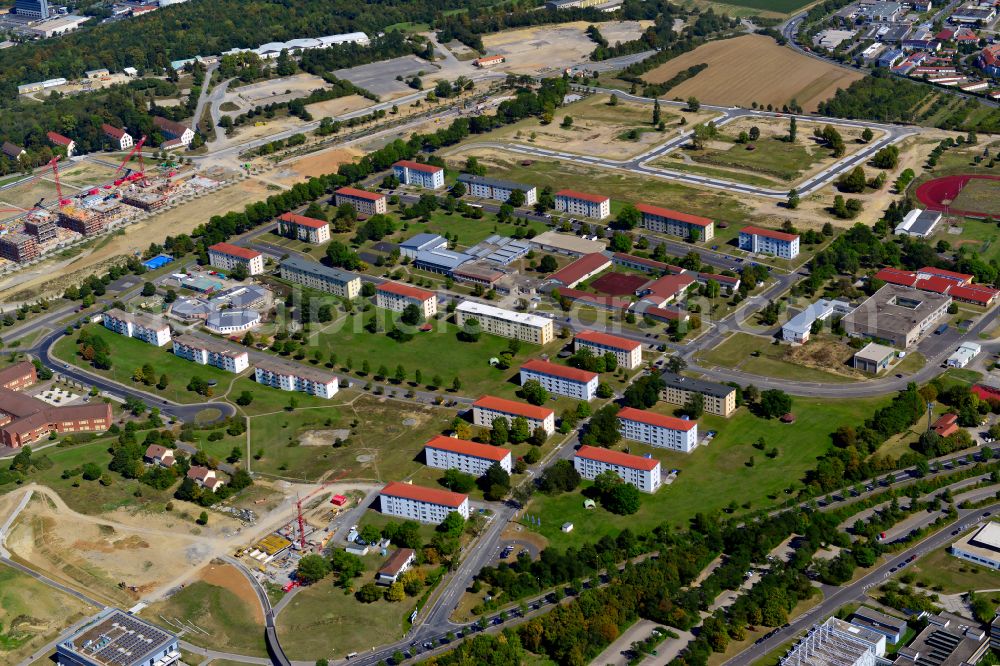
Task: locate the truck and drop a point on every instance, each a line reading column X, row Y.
column 941, row 329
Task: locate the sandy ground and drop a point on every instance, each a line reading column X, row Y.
column 281, row 89
column 336, row 107
column 541, row 48
column 226, row 576
column 315, row 164
column 753, row 68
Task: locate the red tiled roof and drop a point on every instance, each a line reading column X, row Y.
column 199, row 473
column 171, row 126
column 303, row 221
column 608, row 340
column 611, row 302
column 417, row 166
column 951, row 275
column 985, row 392
column 990, row 55
column 401, row 289
column 896, row 276
column 617, row 458
column 722, row 279
column 768, row 233
column 422, row 494
column 59, row 139
column 234, row 250
column 936, row 284
column 651, row 263
column 946, row 425
column 642, row 416
column 669, row 286
column 674, row 215
column 973, row 293
column 397, row 561
column 113, row 131
column 359, row 194
column 513, row 407
column 582, row 196
column 465, row 447
column 670, row 313
column 580, row 268
column 556, row 370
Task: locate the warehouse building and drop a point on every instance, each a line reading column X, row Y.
column 767, row 241
column 569, row 244
column 641, row 472
column 719, row 399
column 465, row 456
column 427, row 505
column 964, row 355
column 627, row 352
column 561, row 379
column 506, row 323
column 918, row 223
column 657, row 430
column 593, row 206
column 396, row 296
column 295, row 377
column 873, row 358
column 307, row 229
column 362, row 201
column 675, row 223
column 897, row 315
column 799, row 328
column 315, row 275
column 489, row 407
column 837, row 643
column 494, row 188
column 419, row 174
column 581, row 270
column 139, row 326
column 227, row 256
column 424, row 242
column 224, row 356
column 116, row 638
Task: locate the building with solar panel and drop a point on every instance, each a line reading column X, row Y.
column 115, row 638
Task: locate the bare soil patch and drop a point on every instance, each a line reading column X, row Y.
column 540, row 48
column 225, row 575
column 336, row 107
column 281, row 89
column 753, row 68
column 320, row 163
column 824, row 355
column 323, row 437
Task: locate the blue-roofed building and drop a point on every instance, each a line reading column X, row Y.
column 158, row 261
column 799, row 327
column 422, row 243
column 890, row 58
column 440, row 260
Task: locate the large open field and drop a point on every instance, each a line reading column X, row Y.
column 753, row 68
column 821, row 360
column 550, row 47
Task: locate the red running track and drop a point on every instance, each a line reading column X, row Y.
column 934, row 192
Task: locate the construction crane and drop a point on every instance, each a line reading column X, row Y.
column 133, row 175
column 298, row 505
column 38, row 205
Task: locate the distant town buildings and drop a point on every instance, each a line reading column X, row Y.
column 142, row 327
column 643, row 473
column 427, row 505
column 227, row 256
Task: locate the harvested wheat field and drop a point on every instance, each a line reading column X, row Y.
column 753, row 68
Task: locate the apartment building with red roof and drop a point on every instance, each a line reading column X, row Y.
column 121, row 139
column 419, row 174
column 470, row 457
column 666, row 432
column 642, row 472
column 676, row 223
column 362, row 201
column 396, row 296
column 427, row 505
column 627, row 352
column 594, row 206
column 59, row 140
column 561, row 379
column 227, row 256
column 488, row 408
column 768, row 241
column 307, row 229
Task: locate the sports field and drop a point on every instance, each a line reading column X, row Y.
column 973, row 195
column 753, row 68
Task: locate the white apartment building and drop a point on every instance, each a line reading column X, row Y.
column 493, row 188
column 465, row 456
column 561, row 379
column 364, row 202
column 294, row 377
column 416, row 173
column 222, row 356
column 121, row 139
column 227, row 256
column 675, row 223
column 142, row 327
column 643, row 473
column 490, row 407
column 767, row 241
column 665, row 432
column 581, row 203
column 396, row 296
column 307, row 229
column 315, row 275
column 627, row 352
column 506, row 323
column 427, row 505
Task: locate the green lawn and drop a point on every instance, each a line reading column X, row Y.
column 713, row 476
column 954, row 575
column 675, row 162
column 770, row 157
column 738, row 352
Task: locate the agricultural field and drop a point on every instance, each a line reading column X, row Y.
column 753, row 68
column 728, row 470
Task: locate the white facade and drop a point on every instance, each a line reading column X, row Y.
column 577, row 203
column 234, row 361
column 140, row 327
column 643, row 473
column 396, row 297
column 627, row 353
column 765, row 241
column 488, row 408
column 227, row 257
column 287, row 378
column 419, row 175
column 660, row 431
column 317, row 276
column 422, row 504
column 499, row 190
column 964, row 355
column 506, row 323
column 469, row 457
column 581, row 388
column 362, row 201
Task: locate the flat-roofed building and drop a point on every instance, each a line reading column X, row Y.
column 837, row 643
column 675, row 223
column 981, row 546
column 561, row 379
column 82, row 220
column 139, row 326
column 295, row 377
column 222, row 355
column 396, row 296
column 873, row 358
column 799, row 328
column 41, row 225
column 362, row 201
column 307, row 229
column 897, row 315
column 116, row 638
column 719, row 399
column 582, row 269
column 423, row 242
column 506, row 323
column 419, row 174
column 494, row 188
column 18, row 247
column 893, row 628
column 964, row 355
column 227, row 256
column 594, row 206
column 315, row 275
column 570, row 244
column 641, row 472
column 427, row 505
column 627, row 352
column 470, row 457
column 768, row 241
column 658, row 430
column 488, row 408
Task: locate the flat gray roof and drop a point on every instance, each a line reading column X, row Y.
column 874, row 352
column 494, row 182
column 318, row 269
column 673, row 380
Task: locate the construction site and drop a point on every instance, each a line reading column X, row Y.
column 32, row 232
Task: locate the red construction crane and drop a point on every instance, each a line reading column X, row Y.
column 298, row 505
column 134, row 175
column 55, row 175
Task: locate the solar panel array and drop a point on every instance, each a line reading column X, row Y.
column 122, row 640
column 499, row 249
column 940, row 646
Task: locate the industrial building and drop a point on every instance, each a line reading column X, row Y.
column 627, row 352
column 561, row 379
column 227, row 256
column 674, row 223
column 799, row 328
column 947, row 640
column 767, row 241
column 873, row 358
column 419, row 174
column 494, row 188
column 501, row 250
column 981, row 546
column 641, row 472
column 362, row 201
column 315, row 275
column 427, row 505
column 719, row 399
column 964, row 355
column 441, row 260
column 470, row 457
column 897, row 315
column 836, row 643
column 116, row 638
column 489, row 407
column 139, row 326
column 581, row 270
column 414, row 245
column 289, row 376
column 918, row 223
column 307, row 229
column 593, row 206
column 892, row 628
column 222, row 355
column 396, row 296
column 506, row 323
column 665, row 432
